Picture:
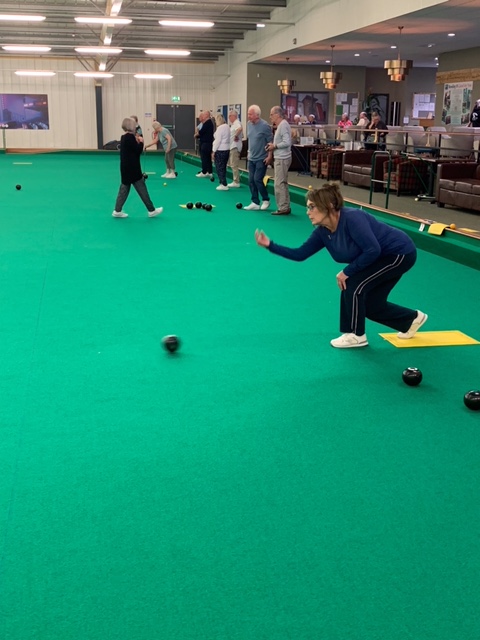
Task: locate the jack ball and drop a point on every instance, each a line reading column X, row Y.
column 412, row 376
column 171, row 343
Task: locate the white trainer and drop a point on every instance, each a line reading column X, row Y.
column 120, row 214
column 164, row 175
column 169, row 175
column 200, row 174
column 252, row 207
column 222, row 187
column 349, row 341
column 155, row 212
column 234, row 185
column 414, row 327
column 265, row 205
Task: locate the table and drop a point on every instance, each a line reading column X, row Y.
column 258, row 484
column 301, row 157
column 432, row 164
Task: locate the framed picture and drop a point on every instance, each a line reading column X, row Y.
column 305, row 103
column 378, row 102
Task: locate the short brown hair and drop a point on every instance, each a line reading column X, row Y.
column 326, row 197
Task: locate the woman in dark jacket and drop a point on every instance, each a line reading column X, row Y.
column 131, row 148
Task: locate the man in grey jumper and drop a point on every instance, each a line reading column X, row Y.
column 282, row 154
column 259, row 136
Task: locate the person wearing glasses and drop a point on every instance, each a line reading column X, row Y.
column 376, row 254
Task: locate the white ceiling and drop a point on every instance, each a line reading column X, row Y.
column 423, row 38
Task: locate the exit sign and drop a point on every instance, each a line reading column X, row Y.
column 175, row 98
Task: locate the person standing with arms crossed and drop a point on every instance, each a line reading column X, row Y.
column 282, row 155
column 236, row 137
column 205, row 136
column 377, row 255
column 259, row 136
column 221, row 150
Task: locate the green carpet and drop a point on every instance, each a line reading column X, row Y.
column 257, row 485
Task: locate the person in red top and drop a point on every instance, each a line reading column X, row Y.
column 345, row 121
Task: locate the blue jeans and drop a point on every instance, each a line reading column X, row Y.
column 256, row 172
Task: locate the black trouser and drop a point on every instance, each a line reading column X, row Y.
column 367, row 292
column 206, row 156
column 140, row 188
column 221, row 159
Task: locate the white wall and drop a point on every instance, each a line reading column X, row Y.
column 71, row 100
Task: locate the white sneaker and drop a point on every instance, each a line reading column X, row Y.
column 164, row 175
column 233, row 185
column 415, row 326
column 155, row 212
column 120, row 214
column 169, row 175
column 200, row 174
column 222, row 187
column 265, row 205
column 252, row 207
column 349, row 341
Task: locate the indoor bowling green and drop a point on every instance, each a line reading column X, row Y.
column 255, row 484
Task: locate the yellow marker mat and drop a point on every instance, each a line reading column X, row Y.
column 431, row 339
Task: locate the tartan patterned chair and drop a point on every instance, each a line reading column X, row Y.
column 326, row 164
column 408, row 175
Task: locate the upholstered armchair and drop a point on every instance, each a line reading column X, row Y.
column 407, row 175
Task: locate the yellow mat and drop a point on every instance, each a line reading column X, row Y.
column 431, row 339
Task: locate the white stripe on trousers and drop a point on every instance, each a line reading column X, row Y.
column 358, row 291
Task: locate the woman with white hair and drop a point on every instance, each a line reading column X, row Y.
column 221, row 150
column 165, row 138
column 131, row 148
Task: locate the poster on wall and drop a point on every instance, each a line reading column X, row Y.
column 457, row 98
column 306, row 103
column 20, row 111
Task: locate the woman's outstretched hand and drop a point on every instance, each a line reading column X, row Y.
column 261, row 239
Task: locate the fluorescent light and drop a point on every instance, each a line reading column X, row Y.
column 107, row 39
column 110, row 21
column 357, row 55
column 185, row 23
column 260, row 25
column 92, row 74
column 393, row 46
column 24, row 18
column 26, row 48
column 102, row 50
column 451, row 35
column 35, row 73
column 167, row 52
column 153, row 76
column 102, row 66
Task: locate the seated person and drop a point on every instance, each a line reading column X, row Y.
column 376, row 133
column 344, row 122
column 311, row 119
column 363, row 121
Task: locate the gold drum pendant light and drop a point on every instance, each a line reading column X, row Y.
column 398, row 69
column 330, row 78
